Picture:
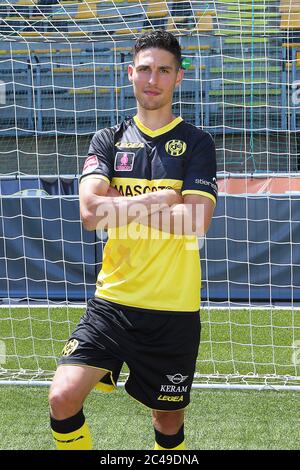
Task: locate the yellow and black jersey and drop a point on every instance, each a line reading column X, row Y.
column 152, row 272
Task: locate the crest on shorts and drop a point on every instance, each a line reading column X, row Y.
column 70, row 347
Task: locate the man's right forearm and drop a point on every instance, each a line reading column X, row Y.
column 110, row 212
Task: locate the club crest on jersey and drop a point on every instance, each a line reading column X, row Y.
column 175, row 147
column 124, row 161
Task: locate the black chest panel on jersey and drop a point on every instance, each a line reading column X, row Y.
column 135, row 159
column 150, row 158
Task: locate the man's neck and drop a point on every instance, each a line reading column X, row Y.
column 154, row 119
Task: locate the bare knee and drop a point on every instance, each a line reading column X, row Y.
column 63, row 403
column 168, row 422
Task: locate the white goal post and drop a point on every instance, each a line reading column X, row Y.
column 63, row 76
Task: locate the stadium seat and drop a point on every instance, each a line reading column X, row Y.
column 236, row 92
column 184, row 8
column 248, row 18
column 251, row 7
column 13, row 19
column 157, row 9
column 255, row 40
column 287, row 6
column 238, row 70
column 177, row 24
column 243, row 2
column 80, row 34
column 66, row 13
column 77, row 70
column 292, row 44
column 290, row 20
column 193, row 67
column 122, row 49
column 204, row 22
column 91, row 91
column 128, row 31
column 27, row 2
column 29, row 34
column 195, row 47
column 86, row 11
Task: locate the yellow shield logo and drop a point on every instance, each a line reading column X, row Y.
column 175, row 147
column 70, row 347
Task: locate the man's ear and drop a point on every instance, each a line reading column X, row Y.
column 180, row 75
column 130, row 72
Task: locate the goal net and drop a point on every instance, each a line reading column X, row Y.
column 63, row 76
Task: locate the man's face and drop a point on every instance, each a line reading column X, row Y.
column 154, row 76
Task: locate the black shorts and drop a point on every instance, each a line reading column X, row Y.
column 160, row 349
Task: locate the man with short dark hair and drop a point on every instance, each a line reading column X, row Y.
column 151, row 182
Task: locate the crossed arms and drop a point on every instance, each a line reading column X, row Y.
column 101, row 206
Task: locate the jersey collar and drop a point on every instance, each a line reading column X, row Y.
column 157, row 132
